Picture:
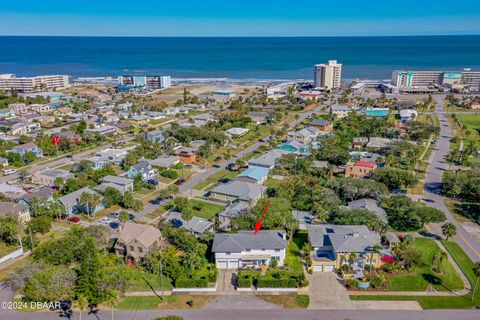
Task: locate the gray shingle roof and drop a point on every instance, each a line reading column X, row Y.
column 196, row 224
column 117, row 180
column 71, row 199
column 343, row 238
column 242, row 190
column 39, row 194
column 237, row 242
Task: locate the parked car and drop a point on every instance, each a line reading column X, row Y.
column 114, row 215
column 105, row 220
column 224, row 180
column 7, row 172
column 73, row 220
column 114, row 225
column 157, row 200
column 216, row 166
column 131, row 216
column 153, row 182
column 217, row 159
column 188, row 166
column 180, row 181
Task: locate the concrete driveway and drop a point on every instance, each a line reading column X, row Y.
column 327, row 292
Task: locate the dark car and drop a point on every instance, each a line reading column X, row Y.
column 153, row 182
column 217, row 159
column 216, row 166
column 179, row 181
column 224, row 180
column 157, row 200
column 114, row 225
column 114, row 215
column 188, row 166
column 131, row 216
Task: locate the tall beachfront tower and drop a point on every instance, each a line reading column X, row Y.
column 327, row 76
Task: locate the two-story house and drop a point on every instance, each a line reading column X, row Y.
column 155, row 136
column 17, row 210
column 324, row 126
column 21, row 149
column 121, row 184
column 245, row 249
column 136, row 241
column 339, row 112
column 360, row 169
column 306, row 135
column 143, row 168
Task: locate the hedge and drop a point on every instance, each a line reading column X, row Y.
column 244, row 283
column 276, row 283
column 191, row 283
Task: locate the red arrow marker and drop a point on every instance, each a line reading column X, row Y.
column 258, row 224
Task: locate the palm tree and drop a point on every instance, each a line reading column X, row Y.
column 94, row 202
column 476, row 271
column 449, row 230
column 85, row 200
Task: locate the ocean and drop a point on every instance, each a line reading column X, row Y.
column 235, row 57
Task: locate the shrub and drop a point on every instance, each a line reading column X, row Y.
column 41, row 224
column 351, row 283
column 244, row 283
column 169, row 174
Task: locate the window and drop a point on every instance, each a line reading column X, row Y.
column 131, row 248
column 228, row 253
column 277, row 250
column 248, row 250
column 263, row 249
column 140, row 249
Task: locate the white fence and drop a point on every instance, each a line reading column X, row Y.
column 15, row 254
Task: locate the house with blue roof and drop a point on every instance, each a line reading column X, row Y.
column 256, row 175
column 376, row 112
column 143, row 168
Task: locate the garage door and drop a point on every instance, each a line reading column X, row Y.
column 328, row 268
column 317, row 268
column 222, row 264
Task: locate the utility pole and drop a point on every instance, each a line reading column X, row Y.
column 31, row 237
column 161, row 280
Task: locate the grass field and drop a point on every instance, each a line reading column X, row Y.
column 149, row 281
column 472, row 123
column 448, row 281
column 171, row 302
column 204, row 209
column 213, row 179
column 432, row 302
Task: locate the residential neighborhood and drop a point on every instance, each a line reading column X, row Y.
column 214, row 195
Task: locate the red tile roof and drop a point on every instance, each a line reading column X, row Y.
column 366, row 164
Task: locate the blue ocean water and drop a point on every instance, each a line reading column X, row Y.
column 236, row 57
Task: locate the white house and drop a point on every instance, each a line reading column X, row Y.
column 245, row 249
column 408, row 115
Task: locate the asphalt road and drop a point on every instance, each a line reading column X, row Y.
column 187, row 186
column 433, row 188
column 249, row 314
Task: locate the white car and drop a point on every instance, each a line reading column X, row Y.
column 7, row 172
column 105, row 220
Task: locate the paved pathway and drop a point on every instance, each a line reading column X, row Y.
column 246, row 302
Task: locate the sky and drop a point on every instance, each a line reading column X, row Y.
column 239, row 18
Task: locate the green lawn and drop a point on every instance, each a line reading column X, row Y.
column 300, row 238
column 204, row 209
column 222, row 174
column 293, row 259
column 448, row 281
column 471, row 121
column 272, row 183
column 139, row 303
column 149, row 281
column 462, row 302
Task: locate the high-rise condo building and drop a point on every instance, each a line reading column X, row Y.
column 327, row 76
column 9, row 83
column 145, row 81
column 434, row 79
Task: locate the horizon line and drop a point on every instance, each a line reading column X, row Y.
column 245, row 36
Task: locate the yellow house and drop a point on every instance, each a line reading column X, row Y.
column 337, row 245
column 139, row 121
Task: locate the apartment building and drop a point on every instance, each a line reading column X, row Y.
column 327, row 76
column 9, row 82
column 434, row 79
column 144, row 81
